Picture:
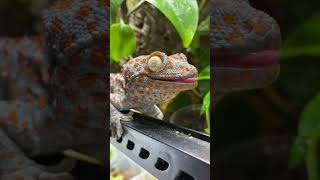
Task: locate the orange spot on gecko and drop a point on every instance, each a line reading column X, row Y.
column 56, row 26
column 7, row 155
column 87, row 80
column 104, row 3
column 141, row 79
column 13, row 118
column 259, row 27
column 169, row 65
column 229, row 19
column 18, row 93
column 71, row 95
column 63, row 4
column 92, row 26
column 83, row 12
column 235, row 36
column 43, row 102
column 67, row 40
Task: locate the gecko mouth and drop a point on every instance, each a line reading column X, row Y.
column 261, row 59
column 189, row 80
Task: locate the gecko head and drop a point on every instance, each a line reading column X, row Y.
column 157, row 77
column 246, row 46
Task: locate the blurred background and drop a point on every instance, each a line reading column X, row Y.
column 255, row 130
column 19, row 18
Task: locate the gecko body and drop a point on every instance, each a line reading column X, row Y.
column 57, row 91
column 146, row 81
column 245, row 47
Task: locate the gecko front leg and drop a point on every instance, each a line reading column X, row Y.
column 14, row 162
column 115, row 121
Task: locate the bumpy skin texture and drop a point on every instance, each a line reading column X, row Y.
column 245, row 46
column 138, row 87
column 237, row 29
column 56, row 98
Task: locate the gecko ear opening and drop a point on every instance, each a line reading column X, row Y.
column 155, row 63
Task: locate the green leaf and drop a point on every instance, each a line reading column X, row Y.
column 204, row 74
column 183, row 14
column 114, row 8
column 181, row 100
column 204, row 26
column 122, row 41
column 313, row 50
column 309, row 125
column 206, row 103
column 298, row 152
column 207, row 130
column 309, row 128
column 305, row 40
column 206, row 109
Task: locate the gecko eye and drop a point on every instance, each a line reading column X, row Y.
column 155, row 63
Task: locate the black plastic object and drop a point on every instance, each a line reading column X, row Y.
column 165, row 150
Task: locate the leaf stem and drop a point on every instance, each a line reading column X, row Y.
column 312, row 159
column 136, row 7
column 203, row 78
column 202, row 3
column 208, row 117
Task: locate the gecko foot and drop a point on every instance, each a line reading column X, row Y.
column 115, row 125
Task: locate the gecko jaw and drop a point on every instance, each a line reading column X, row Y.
column 260, row 59
column 187, row 80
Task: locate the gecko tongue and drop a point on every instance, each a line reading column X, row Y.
column 189, row 80
column 247, row 60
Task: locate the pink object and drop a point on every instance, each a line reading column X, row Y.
column 247, row 60
column 189, row 80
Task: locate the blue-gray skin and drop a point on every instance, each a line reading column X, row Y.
column 245, row 46
column 58, row 90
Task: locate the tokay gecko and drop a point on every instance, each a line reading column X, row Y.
column 146, row 81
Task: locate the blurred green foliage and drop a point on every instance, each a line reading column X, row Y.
column 305, row 42
column 122, row 40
